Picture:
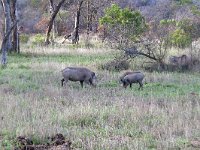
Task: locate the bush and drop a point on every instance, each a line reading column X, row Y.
column 38, row 39
column 24, row 38
column 116, row 65
column 155, row 66
column 180, row 39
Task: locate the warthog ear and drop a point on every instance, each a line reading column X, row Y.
column 126, row 81
column 93, row 74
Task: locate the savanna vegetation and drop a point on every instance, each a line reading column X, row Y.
column 109, row 38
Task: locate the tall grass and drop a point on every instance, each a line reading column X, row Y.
column 165, row 115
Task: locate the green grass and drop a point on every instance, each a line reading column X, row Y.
column 163, row 115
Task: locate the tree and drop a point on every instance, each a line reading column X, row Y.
column 50, row 24
column 4, row 46
column 90, row 11
column 75, row 34
column 156, row 41
column 124, row 26
column 51, row 10
column 128, row 32
column 187, row 27
column 15, row 34
column 8, row 22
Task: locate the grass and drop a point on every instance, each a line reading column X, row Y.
column 164, row 115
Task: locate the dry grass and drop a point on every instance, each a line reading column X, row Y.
column 165, row 115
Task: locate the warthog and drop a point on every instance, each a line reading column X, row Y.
column 132, row 77
column 80, row 74
column 126, row 73
column 182, row 61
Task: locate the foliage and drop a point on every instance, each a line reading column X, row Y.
column 24, row 38
column 62, row 15
column 35, row 3
column 195, row 10
column 186, row 31
column 167, row 22
column 188, row 25
column 116, row 65
column 193, row 7
column 184, row 2
column 38, row 39
column 180, row 38
column 123, row 24
column 125, row 17
column 155, row 42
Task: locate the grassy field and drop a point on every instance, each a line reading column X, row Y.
column 164, row 115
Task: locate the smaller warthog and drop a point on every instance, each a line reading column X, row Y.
column 80, row 74
column 132, row 77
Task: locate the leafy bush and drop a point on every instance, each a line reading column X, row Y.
column 35, row 3
column 123, row 23
column 184, row 2
column 38, row 39
column 180, row 38
column 24, row 38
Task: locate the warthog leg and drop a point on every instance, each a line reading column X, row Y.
column 141, row 85
column 81, row 83
column 130, row 85
column 62, row 82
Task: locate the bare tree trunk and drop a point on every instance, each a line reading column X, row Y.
column 87, row 41
column 8, row 22
column 51, row 10
column 4, row 47
column 88, row 17
column 50, row 25
column 15, row 37
column 75, row 35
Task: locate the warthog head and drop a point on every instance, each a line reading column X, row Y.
column 94, row 78
column 124, row 82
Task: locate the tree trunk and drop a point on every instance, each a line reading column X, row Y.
column 8, row 22
column 50, row 25
column 15, row 35
column 51, row 10
column 75, row 35
column 4, row 47
column 88, row 17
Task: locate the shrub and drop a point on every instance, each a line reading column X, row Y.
column 180, row 39
column 24, row 38
column 38, row 39
column 155, row 67
column 116, row 65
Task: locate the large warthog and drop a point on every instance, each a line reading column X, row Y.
column 182, row 61
column 80, row 74
column 132, row 77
